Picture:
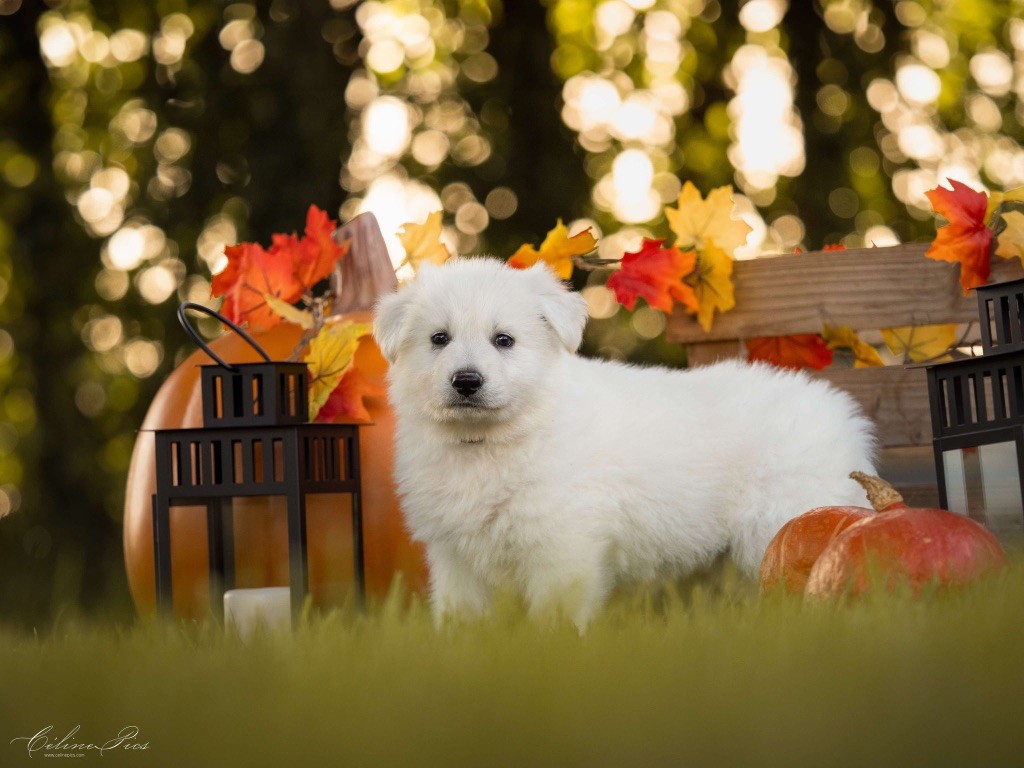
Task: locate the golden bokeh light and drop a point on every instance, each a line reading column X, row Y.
column 601, row 303
column 112, row 284
column 128, row 45
column 471, row 218
column 103, row 333
column 762, row 15
column 768, row 136
column 386, row 127
column 126, row 248
column 57, row 43
column 158, row 283
column 501, row 203
column 142, row 357
column 918, row 84
column 647, row 323
column 247, row 56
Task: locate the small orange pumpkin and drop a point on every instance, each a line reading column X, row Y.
column 798, row 544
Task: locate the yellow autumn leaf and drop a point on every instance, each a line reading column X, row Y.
column 696, row 221
column 865, row 356
column 995, row 199
column 712, row 282
column 329, row 358
column 1011, row 239
column 557, row 250
column 422, row 242
column 922, row 342
column 301, row 317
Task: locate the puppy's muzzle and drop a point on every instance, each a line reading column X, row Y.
column 466, row 383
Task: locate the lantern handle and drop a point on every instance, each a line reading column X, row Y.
column 191, row 331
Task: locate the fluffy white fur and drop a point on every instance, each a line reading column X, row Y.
column 564, row 476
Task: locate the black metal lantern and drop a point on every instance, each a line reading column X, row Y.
column 977, row 409
column 256, row 440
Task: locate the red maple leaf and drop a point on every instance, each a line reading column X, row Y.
column 805, row 350
column 965, row 239
column 346, row 401
column 656, row 274
column 251, row 273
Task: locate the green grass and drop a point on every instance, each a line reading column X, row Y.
column 707, row 676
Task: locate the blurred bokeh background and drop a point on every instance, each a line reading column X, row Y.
column 138, row 138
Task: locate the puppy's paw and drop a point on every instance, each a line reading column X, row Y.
column 553, row 596
column 447, row 612
column 456, row 591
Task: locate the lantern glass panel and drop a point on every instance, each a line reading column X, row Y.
column 982, row 483
column 332, row 512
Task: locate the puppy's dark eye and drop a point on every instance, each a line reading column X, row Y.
column 503, row 340
column 439, row 339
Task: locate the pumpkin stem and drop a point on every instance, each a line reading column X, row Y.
column 881, row 495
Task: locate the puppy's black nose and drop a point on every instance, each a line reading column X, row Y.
column 467, row 382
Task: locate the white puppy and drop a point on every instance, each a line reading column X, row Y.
column 523, row 465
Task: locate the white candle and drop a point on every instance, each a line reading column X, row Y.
column 247, row 609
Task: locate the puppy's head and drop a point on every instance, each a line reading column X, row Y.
column 470, row 342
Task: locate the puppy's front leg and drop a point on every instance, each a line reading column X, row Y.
column 575, row 586
column 455, row 590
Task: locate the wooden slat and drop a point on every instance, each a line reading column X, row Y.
column 705, row 353
column 866, row 288
column 895, row 398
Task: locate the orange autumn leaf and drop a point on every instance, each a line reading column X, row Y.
column 291, row 266
column 557, row 250
column 965, row 239
column 317, row 251
column 805, row 350
column 313, row 255
column 253, row 273
column 347, row 399
column 656, row 274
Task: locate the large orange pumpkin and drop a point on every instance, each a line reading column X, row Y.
column 260, row 525
column 913, row 547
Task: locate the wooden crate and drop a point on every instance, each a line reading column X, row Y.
column 867, row 289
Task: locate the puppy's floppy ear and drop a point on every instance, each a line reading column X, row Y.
column 564, row 310
column 389, row 321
